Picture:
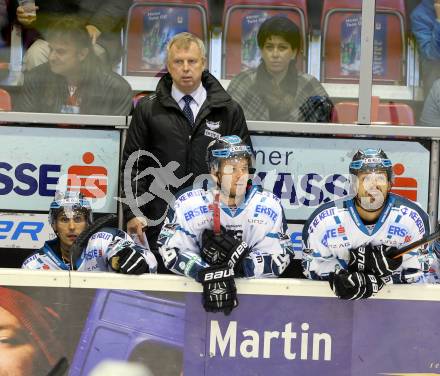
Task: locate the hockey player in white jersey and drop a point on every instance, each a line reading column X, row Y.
column 230, row 230
column 108, row 249
column 346, row 241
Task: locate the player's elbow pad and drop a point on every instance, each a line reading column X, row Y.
column 257, row 265
column 169, row 257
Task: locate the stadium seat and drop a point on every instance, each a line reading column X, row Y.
column 151, row 24
column 242, row 19
column 5, row 100
column 138, row 97
column 382, row 113
column 340, row 42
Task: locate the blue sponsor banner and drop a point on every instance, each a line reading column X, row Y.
column 312, row 336
column 307, row 172
column 170, row 333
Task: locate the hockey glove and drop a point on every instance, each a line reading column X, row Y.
column 222, row 248
column 219, row 291
column 129, row 261
column 373, row 259
column 354, row 286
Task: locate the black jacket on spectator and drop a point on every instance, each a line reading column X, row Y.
column 44, row 91
column 159, row 127
column 109, row 16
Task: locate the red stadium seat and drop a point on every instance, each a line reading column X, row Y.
column 383, row 113
column 242, row 19
column 151, row 24
column 340, row 42
column 5, row 100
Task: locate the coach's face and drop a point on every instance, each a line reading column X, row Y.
column 186, row 66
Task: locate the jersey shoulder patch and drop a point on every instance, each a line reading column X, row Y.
column 193, row 204
column 269, row 195
column 412, row 213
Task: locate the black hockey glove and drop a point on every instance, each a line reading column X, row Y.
column 222, row 248
column 373, row 259
column 219, row 291
column 129, row 261
column 354, row 286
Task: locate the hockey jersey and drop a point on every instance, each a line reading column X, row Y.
column 259, row 221
column 101, row 247
column 336, row 227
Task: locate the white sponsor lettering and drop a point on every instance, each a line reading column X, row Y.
column 250, row 345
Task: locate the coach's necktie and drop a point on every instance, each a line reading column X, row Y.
column 187, row 109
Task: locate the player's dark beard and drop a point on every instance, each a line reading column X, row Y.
column 370, row 207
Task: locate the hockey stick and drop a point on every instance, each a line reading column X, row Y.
column 426, row 239
column 216, row 214
column 83, row 238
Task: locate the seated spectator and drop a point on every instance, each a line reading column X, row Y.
column 425, row 25
column 74, row 80
column 108, row 248
column 431, row 109
column 104, row 21
column 275, row 90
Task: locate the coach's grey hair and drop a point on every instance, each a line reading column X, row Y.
column 183, row 40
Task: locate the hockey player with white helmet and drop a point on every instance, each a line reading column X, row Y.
column 107, row 249
column 347, row 241
column 233, row 229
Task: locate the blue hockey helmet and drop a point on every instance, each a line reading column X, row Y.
column 228, row 147
column 69, row 202
column 370, row 160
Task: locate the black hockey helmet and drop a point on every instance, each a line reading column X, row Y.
column 69, row 202
column 228, row 147
column 369, row 160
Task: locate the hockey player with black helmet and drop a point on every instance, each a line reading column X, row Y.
column 347, row 241
column 108, row 249
column 233, row 229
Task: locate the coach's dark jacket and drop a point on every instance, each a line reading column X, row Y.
column 159, row 127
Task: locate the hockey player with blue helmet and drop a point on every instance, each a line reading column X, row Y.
column 108, row 249
column 347, row 241
column 232, row 229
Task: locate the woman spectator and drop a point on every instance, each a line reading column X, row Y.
column 275, row 90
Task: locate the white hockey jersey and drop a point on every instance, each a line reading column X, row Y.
column 336, row 227
column 259, row 221
column 95, row 257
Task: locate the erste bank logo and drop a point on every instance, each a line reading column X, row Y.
column 90, row 180
column 402, row 185
column 32, row 179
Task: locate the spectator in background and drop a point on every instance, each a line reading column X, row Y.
column 104, row 21
column 28, row 340
column 425, row 25
column 431, row 108
column 275, row 90
column 175, row 125
column 73, row 80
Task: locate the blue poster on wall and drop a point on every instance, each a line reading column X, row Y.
column 350, row 56
column 250, row 53
column 161, row 24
